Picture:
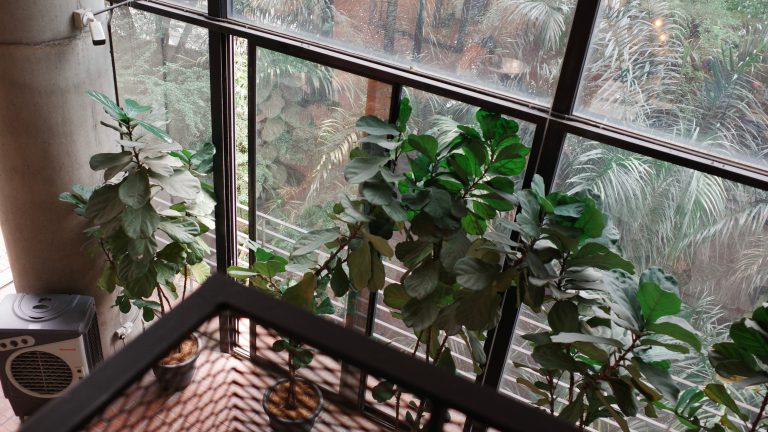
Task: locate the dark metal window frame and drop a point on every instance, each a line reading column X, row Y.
column 553, row 124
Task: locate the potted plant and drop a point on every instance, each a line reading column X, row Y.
column 128, row 225
column 292, row 403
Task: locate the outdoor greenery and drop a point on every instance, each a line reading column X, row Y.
column 125, row 223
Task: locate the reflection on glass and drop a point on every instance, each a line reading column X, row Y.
column 691, row 71
column 709, row 233
column 511, row 45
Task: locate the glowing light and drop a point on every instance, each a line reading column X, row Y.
column 658, row 23
column 663, row 37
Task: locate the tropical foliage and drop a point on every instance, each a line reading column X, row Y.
column 125, row 223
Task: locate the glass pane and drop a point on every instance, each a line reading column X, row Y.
column 164, row 63
column 305, row 128
column 691, row 71
column 438, row 116
column 195, row 4
column 511, row 46
column 709, row 233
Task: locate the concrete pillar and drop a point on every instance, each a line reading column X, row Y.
column 49, row 129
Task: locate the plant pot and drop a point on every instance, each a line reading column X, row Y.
column 280, row 424
column 176, row 377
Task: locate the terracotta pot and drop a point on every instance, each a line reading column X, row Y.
column 177, row 377
column 280, row 424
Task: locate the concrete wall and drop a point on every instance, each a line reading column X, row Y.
column 49, row 129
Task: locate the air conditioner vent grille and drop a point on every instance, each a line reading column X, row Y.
column 41, row 372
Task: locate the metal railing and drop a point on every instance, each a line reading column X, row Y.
column 114, row 380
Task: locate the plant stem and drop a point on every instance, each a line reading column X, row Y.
column 184, row 287
column 160, row 299
column 291, row 403
column 760, row 413
column 570, row 387
column 352, row 234
column 397, row 410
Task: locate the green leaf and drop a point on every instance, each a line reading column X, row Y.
column 718, row 394
column 134, row 189
column 615, row 415
column 568, row 338
column 200, row 271
column 241, row 273
column 573, row 411
column 395, row 296
column 361, row 169
column 419, row 314
column 424, row 144
column 181, row 184
column 375, row 126
column 423, row 280
column 553, row 356
column 473, row 224
column 564, row 317
column 404, row 114
column 509, row 167
column 625, row 396
column 383, row 391
column 359, row 262
column 479, row 310
column 147, row 314
column 280, row 345
column 181, row 230
column 133, row 108
column 156, row 131
column 676, row 328
column 751, row 339
column 314, row 241
column 656, row 302
column 598, row 256
column 475, row 274
column 102, row 161
column 730, row 361
column 140, row 222
column 110, row 106
column 446, row 361
column 377, row 192
column 163, row 166
column 381, row 245
column 303, row 293
column 411, row 253
column 108, row 279
column 104, row 205
column 659, row 379
column 439, row 205
column 339, row 281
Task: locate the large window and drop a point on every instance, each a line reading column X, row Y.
column 688, row 70
column 513, row 46
column 709, row 233
column 672, row 95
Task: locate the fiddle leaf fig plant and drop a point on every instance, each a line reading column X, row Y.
column 147, row 249
column 268, row 273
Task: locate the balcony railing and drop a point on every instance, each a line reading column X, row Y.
column 121, row 395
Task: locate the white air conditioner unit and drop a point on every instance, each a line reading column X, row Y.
column 47, row 344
